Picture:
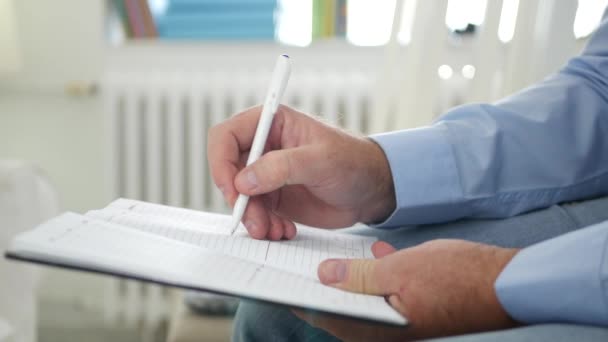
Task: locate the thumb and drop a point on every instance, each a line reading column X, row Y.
column 276, row 169
column 354, row 275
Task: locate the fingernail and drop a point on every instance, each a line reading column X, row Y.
column 251, row 226
column 333, row 271
column 251, row 180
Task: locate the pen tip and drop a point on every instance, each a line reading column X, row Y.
column 234, row 225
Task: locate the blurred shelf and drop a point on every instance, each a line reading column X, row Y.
column 336, row 53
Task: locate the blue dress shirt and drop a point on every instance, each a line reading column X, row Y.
column 543, row 145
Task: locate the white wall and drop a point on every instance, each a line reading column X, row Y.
column 61, row 41
column 63, row 136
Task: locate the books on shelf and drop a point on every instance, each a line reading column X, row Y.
column 190, row 5
column 329, row 18
column 221, row 19
column 229, row 23
column 135, row 17
column 218, row 19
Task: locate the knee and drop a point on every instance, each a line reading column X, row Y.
column 256, row 321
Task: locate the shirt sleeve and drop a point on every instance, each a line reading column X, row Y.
column 564, row 279
column 543, row 145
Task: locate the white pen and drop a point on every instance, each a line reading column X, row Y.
column 278, row 83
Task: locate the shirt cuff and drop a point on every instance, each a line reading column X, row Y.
column 564, row 279
column 425, row 176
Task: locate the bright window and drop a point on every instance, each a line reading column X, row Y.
column 461, row 13
column 588, row 16
column 508, row 18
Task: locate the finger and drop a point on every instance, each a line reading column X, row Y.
column 306, row 316
column 226, row 185
column 242, row 126
column 277, row 168
column 276, row 228
column 346, row 329
column 381, row 249
column 322, row 321
column 256, row 219
column 355, row 275
column 290, row 229
column 225, row 144
column 223, row 173
column 299, row 313
column 395, row 302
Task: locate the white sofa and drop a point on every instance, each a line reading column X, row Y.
column 26, row 199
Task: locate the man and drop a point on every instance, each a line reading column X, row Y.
column 538, row 276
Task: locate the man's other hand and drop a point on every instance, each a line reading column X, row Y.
column 443, row 287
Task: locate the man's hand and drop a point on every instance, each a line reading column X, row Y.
column 311, row 173
column 443, row 287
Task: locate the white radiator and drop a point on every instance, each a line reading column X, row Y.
column 157, row 124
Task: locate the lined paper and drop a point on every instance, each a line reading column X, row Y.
column 311, row 246
column 301, row 255
column 209, row 221
column 84, row 242
column 201, row 232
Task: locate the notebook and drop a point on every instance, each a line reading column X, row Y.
column 194, row 250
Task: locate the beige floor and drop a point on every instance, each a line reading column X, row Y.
column 60, row 322
column 186, row 326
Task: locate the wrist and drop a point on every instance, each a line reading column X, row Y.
column 502, row 257
column 382, row 201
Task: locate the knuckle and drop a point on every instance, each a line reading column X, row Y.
column 275, row 168
column 215, row 128
column 249, row 214
column 253, row 110
column 285, row 169
column 214, row 133
column 283, row 109
column 437, row 243
column 432, row 243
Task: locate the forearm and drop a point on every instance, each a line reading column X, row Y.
column 544, row 145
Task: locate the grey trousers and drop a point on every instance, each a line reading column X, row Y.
column 263, row 322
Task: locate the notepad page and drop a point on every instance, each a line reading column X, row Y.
column 310, row 247
column 80, row 241
column 86, row 242
column 210, row 221
column 301, row 255
column 200, row 232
